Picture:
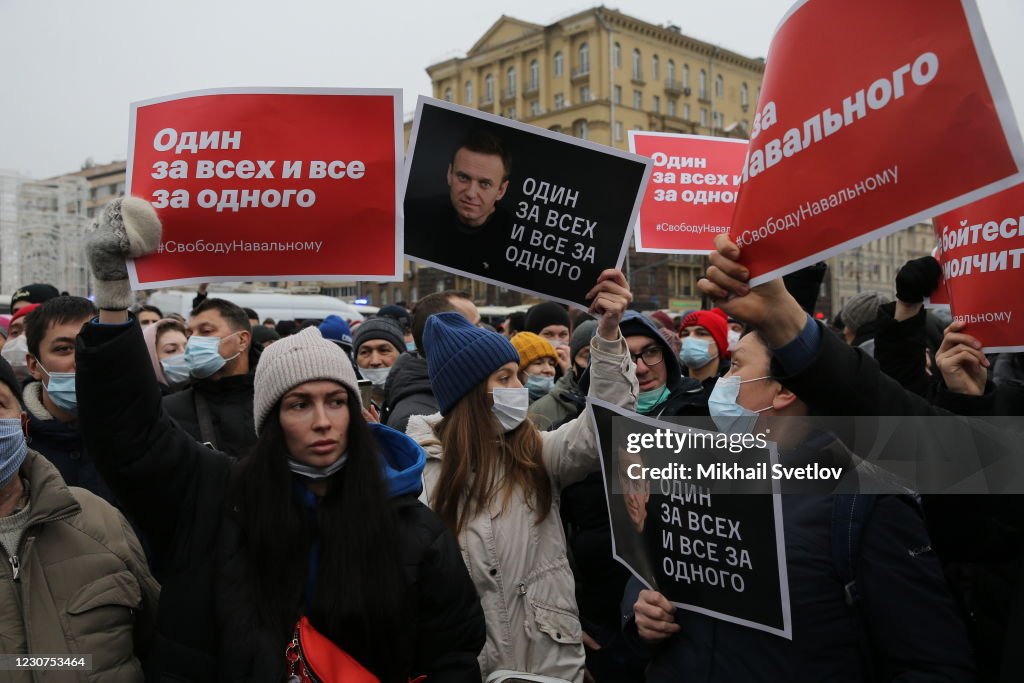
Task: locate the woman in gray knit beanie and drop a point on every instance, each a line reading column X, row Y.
column 315, row 540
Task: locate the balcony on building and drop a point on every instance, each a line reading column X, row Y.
column 675, row 88
column 508, row 95
column 638, row 78
column 487, row 102
column 581, row 73
column 531, row 88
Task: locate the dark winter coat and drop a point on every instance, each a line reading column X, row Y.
column 229, row 401
column 981, row 534
column 174, row 488
column 407, row 392
column 61, row 444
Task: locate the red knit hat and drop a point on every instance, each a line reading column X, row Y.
column 715, row 324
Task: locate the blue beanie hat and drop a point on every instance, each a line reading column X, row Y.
column 461, row 356
column 336, row 330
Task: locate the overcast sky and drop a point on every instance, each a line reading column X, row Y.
column 69, row 69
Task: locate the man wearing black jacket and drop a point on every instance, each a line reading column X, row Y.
column 903, row 626
column 833, row 378
column 217, row 408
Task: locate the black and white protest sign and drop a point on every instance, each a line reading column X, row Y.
column 515, row 205
column 718, row 554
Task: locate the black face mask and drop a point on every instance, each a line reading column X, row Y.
column 577, row 372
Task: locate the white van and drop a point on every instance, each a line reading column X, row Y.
column 276, row 306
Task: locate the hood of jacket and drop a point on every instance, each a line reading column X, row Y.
column 44, row 426
column 421, row 430
column 403, row 460
column 408, row 376
column 634, row 323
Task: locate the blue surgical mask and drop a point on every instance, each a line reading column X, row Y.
column 695, row 352
column 13, row 449
column 649, row 400
column 410, row 346
column 61, row 389
column 175, row 369
column 539, row 385
column 202, row 354
column 729, row 416
column 510, row 407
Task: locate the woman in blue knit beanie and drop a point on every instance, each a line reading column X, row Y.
column 495, row 480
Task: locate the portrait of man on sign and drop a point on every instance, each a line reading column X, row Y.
column 477, row 179
column 467, row 229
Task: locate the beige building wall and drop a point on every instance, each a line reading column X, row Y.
column 575, row 75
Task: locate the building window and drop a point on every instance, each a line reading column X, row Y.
column 511, row 113
column 489, row 88
column 656, row 104
column 638, row 99
column 534, row 75
column 618, row 94
column 584, row 58
column 617, row 56
column 702, row 85
column 719, row 86
column 686, row 112
column 686, row 75
column 469, row 93
column 556, row 129
column 671, row 107
column 637, row 68
column 559, row 101
column 447, row 94
column 579, row 129
column 584, row 94
column 618, row 131
column 559, row 64
column 535, row 108
column 744, row 95
column 655, row 68
column 510, row 81
column 671, row 71
column 703, row 117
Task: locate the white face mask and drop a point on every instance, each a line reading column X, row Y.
column 376, row 375
column 14, row 352
column 510, row 406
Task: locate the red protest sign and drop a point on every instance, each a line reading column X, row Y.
column 873, row 116
column 692, row 193
column 269, row 184
column 980, row 249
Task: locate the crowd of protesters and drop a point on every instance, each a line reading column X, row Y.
column 213, row 497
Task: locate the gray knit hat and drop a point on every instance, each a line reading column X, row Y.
column 581, row 337
column 299, row 358
column 379, row 328
column 862, row 309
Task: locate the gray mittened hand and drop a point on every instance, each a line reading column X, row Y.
column 127, row 227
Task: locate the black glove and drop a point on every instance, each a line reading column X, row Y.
column 917, row 279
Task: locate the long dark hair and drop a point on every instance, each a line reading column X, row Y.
column 482, row 463
column 359, row 599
